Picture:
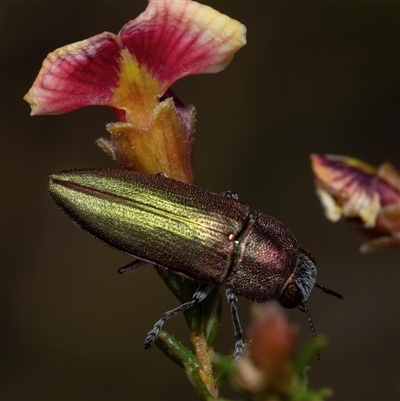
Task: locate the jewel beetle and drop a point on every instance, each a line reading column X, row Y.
column 209, row 238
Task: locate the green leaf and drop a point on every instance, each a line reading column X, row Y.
column 309, row 354
column 224, row 369
column 306, row 394
column 211, row 310
column 207, row 314
column 224, row 399
column 172, row 348
column 183, row 357
column 198, row 384
column 183, row 289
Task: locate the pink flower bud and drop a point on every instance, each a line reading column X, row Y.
column 272, row 338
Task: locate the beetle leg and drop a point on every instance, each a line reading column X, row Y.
column 131, row 267
column 232, row 299
column 202, row 291
column 230, row 195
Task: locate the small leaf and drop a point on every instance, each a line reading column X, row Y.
column 225, row 399
column 172, row 348
column 198, row 384
column 305, row 394
column 212, row 308
column 181, row 287
column 184, row 289
column 309, row 354
column 178, row 353
column 224, row 369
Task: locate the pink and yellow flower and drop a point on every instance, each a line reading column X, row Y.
column 352, row 189
column 132, row 72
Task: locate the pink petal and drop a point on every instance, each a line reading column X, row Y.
column 342, row 178
column 388, row 184
column 349, row 188
column 389, row 219
column 350, row 184
column 169, row 40
column 165, row 147
column 179, row 38
column 81, row 74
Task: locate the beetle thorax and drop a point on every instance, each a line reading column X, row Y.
column 267, row 254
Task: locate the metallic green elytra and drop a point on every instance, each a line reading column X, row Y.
column 206, row 237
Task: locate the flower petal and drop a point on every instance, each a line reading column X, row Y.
column 350, row 183
column 179, row 38
column 389, row 219
column 81, row 74
column 350, row 188
column 388, row 184
column 137, row 91
column 130, row 72
column 331, row 208
column 168, row 141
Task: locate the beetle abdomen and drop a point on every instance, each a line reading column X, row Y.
column 177, row 226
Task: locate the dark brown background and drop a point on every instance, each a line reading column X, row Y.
column 314, row 77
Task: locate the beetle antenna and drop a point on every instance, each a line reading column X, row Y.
column 304, row 309
column 328, row 291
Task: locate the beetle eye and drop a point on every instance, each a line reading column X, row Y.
column 291, row 297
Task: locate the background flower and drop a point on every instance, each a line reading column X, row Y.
column 352, row 189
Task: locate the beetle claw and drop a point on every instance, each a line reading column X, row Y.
column 238, row 350
column 148, row 342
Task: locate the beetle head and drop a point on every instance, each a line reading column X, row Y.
column 298, row 287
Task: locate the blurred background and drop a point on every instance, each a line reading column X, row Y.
column 314, row 77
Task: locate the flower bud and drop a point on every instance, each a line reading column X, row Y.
column 272, row 338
